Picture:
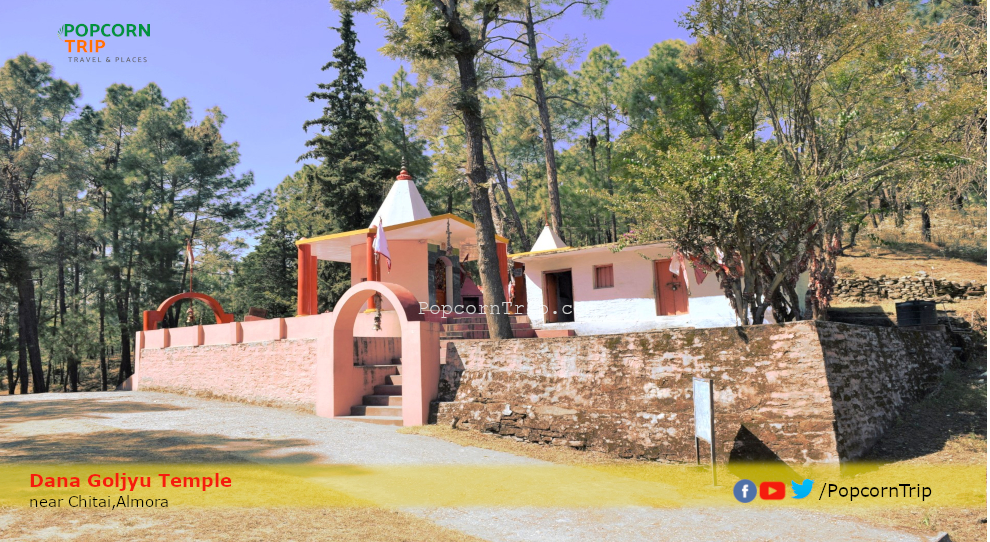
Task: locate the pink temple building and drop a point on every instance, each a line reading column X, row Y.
column 427, row 253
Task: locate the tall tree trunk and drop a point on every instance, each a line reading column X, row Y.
column 60, row 252
column 503, row 184
column 496, row 211
column 102, row 338
column 11, row 379
column 926, row 223
column 4, row 336
column 536, row 69
column 608, row 175
column 121, row 295
column 27, row 314
column 470, row 109
column 22, row 371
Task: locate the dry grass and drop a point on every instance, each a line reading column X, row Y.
column 489, row 441
column 958, row 250
column 221, row 524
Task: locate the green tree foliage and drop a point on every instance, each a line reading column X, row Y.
column 399, row 115
column 848, row 92
column 458, row 32
column 349, row 183
column 100, row 204
column 732, row 208
column 267, row 277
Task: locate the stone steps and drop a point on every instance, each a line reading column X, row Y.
column 388, row 389
column 384, row 406
column 514, row 318
column 368, row 410
column 482, row 326
column 382, row 400
column 396, row 369
column 459, row 328
column 378, row 420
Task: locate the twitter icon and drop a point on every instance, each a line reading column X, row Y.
column 803, row 489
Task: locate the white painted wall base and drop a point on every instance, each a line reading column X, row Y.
column 632, row 315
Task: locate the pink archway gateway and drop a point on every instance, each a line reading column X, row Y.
column 153, row 318
column 340, row 384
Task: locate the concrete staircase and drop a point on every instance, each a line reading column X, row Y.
column 476, row 327
column 384, row 406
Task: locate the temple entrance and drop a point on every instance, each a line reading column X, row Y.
column 559, row 296
column 440, row 281
column 672, row 297
column 393, row 391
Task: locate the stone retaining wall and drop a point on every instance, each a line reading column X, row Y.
column 919, row 286
column 801, row 392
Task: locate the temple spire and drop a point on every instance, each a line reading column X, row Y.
column 403, row 202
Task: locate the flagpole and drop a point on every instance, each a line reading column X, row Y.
column 189, row 256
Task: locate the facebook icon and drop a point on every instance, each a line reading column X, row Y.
column 744, row 491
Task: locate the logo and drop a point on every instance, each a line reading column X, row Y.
column 803, row 489
column 744, row 491
column 96, row 30
column 772, row 491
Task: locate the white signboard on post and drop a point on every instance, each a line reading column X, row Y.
column 704, row 419
column 703, row 409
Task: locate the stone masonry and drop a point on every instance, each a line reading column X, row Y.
column 801, row 392
column 919, row 286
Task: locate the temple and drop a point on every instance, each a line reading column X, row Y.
column 427, row 253
column 557, row 290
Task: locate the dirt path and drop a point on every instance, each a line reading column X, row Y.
column 142, row 427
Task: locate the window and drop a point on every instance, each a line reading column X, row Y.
column 603, row 276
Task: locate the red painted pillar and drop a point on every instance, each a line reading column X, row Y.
column 503, row 269
column 302, row 281
column 314, row 285
column 370, row 256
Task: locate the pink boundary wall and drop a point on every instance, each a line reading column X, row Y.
column 339, row 383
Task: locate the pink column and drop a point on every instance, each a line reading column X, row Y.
column 314, row 285
column 303, row 281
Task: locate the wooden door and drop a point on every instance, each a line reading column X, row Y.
column 440, row 282
column 519, row 288
column 550, row 296
column 672, row 298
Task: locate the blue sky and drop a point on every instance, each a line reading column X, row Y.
column 258, row 60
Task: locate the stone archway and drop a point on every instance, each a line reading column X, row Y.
column 340, row 384
column 153, row 318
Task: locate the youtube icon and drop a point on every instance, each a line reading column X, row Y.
column 772, row 491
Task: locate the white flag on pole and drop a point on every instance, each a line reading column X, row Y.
column 381, row 245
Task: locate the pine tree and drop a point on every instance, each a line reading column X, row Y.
column 266, row 278
column 350, row 180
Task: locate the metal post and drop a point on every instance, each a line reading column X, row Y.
column 711, row 398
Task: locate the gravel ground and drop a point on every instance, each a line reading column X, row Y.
column 251, row 433
column 144, row 426
column 656, row 525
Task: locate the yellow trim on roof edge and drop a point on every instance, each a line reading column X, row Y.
column 365, row 231
column 575, row 249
